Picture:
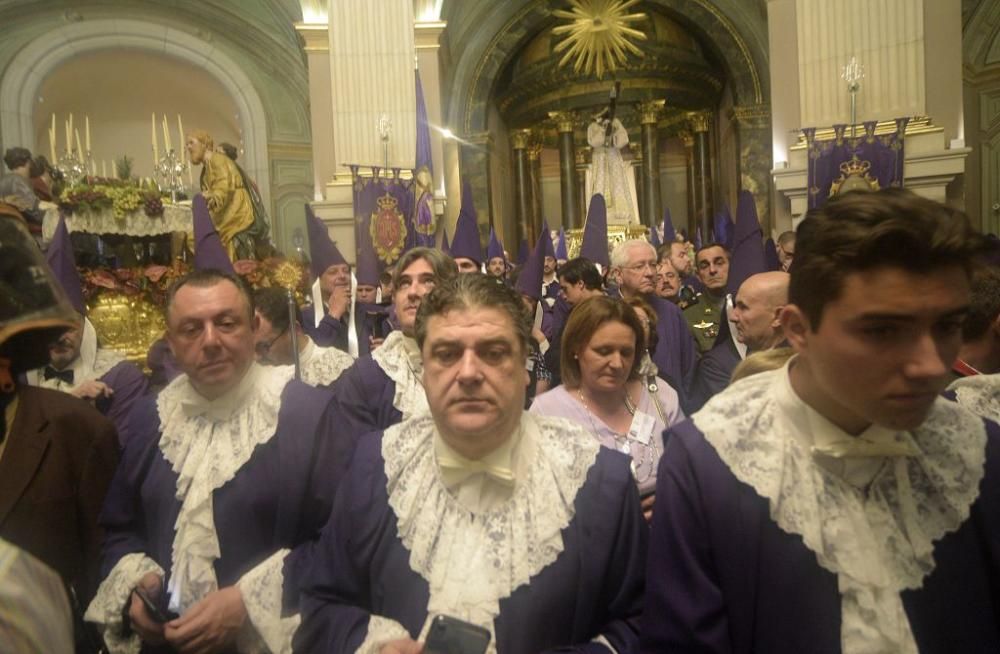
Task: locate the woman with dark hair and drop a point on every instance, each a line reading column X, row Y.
column 603, row 390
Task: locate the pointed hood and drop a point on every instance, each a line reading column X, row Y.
column 529, row 282
column 523, row 252
column 595, row 233
column 562, row 252
column 466, row 240
column 771, row 260
column 697, row 239
column 748, row 246
column 723, row 229
column 61, row 260
column 550, row 249
column 366, row 270
column 654, row 237
column 669, row 234
column 323, row 253
column 445, row 245
column 494, row 250
column 208, row 249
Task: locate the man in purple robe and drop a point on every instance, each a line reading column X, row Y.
column 839, row 504
column 231, row 466
column 384, row 387
column 519, row 524
column 633, row 267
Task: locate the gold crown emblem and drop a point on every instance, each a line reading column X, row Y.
column 855, row 167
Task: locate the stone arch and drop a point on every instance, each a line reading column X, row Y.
column 23, row 77
column 472, row 84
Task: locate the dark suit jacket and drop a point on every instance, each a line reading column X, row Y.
column 54, row 474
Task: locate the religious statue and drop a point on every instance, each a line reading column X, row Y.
column 609, row 173
column 237, row 211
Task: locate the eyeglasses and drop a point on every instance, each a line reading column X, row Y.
column 264, row 347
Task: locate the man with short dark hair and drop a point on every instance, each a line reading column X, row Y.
column 204, row 458
column 980, row 352
column 786, row 249
column 519, row 524
column 320, row 366
column 384, row 387
column 580, row 279
column 839, row 504
column 704, row 316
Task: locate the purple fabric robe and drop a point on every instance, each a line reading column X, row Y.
column 675, row 354
column 594, row 587
column 715, row 368
column 129, row 386
column 723, row 578
column 281, row 497
column 364, row 395
column 333, row 333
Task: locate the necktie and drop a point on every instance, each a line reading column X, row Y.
column 64, row 375
column 460, row 470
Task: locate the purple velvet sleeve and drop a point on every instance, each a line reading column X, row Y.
column 129, row 385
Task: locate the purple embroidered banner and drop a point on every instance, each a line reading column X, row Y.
column 383, row 210
column 867, row 161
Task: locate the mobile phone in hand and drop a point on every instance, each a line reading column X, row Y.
column 449, row 635
column 152, row 608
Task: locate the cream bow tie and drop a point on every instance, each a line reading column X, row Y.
column 457, row 470
column 860, row 448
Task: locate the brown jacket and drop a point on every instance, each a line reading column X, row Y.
column 54, row 473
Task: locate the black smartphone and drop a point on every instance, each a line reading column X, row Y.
column 449, row 635
column 377, row 323
column 154, row 610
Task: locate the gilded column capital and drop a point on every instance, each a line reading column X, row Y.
column 755, row 116
column 565, row 120
column 649, row 112
column 534, row 151
column 521, row 138
column 687, row 138
column 699, row 121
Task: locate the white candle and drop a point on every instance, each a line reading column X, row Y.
column 52, row 141
column 70, row 133
column 104, row 168
column 79, row 151
column 86, row 131
column 69, row 137
column 156, row 146
column 166, row 135
column 180, row 129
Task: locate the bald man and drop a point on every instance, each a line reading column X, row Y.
column 756, row 317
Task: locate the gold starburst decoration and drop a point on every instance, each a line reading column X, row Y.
column 598, row 36
column 287, row 274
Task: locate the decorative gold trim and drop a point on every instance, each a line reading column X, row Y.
column 534, row 151
column 520, row 139
column 649, row 112
column 316, row 36
column 565, row 121
column 699, row 120
column 754, row 115
column 598, row 35
column 917, row 125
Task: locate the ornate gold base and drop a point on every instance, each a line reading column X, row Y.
column 616, row 234
column 128, row 324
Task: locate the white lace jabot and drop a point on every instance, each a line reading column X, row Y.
column 472, row 560
column 321, row 366
column 399, row 358
column 878, row 542
column 979, row 394
column 206, row 443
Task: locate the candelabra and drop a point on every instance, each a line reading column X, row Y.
column 169, row 171
column 853, row 73
column 74, row 167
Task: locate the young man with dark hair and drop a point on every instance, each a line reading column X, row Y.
column 579, row 279
column 839, row 504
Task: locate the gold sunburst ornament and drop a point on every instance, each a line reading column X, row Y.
column 598, row 37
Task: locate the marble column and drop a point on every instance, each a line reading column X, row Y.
column 688, row 139
column 569, row 182
column 699, row 121
column 521, row 140
column 652, row 203
column 753, row 125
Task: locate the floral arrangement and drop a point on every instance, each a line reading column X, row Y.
column 123, row 197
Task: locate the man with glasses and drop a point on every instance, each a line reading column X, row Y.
column 320, row 366
column 633, row 268
column 786, row 249
column 705, row 315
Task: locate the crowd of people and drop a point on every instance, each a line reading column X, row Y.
column 560, row 459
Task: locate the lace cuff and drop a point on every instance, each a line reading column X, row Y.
column 381, row 631
column 107, row 607
column 261, row 589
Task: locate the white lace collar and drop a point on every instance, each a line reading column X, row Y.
column 399, row 358
column 979, row 394
column 321, row 366
column 471, row 561
column 206, row 443
column 878, row 543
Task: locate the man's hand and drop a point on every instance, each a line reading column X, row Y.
column 92, row 389
column 402, row 646
column 647, row 507
column 143, row 624
column 340, row 300
column 211, row 625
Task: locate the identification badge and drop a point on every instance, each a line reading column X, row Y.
column 642, row 427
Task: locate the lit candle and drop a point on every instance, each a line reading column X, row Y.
column 52, row 141
column 70, row 134
column 69, row 137
column 86, row 131
column 79, row 151
column 156, row 146
column 180, row 128
column 166, row 135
